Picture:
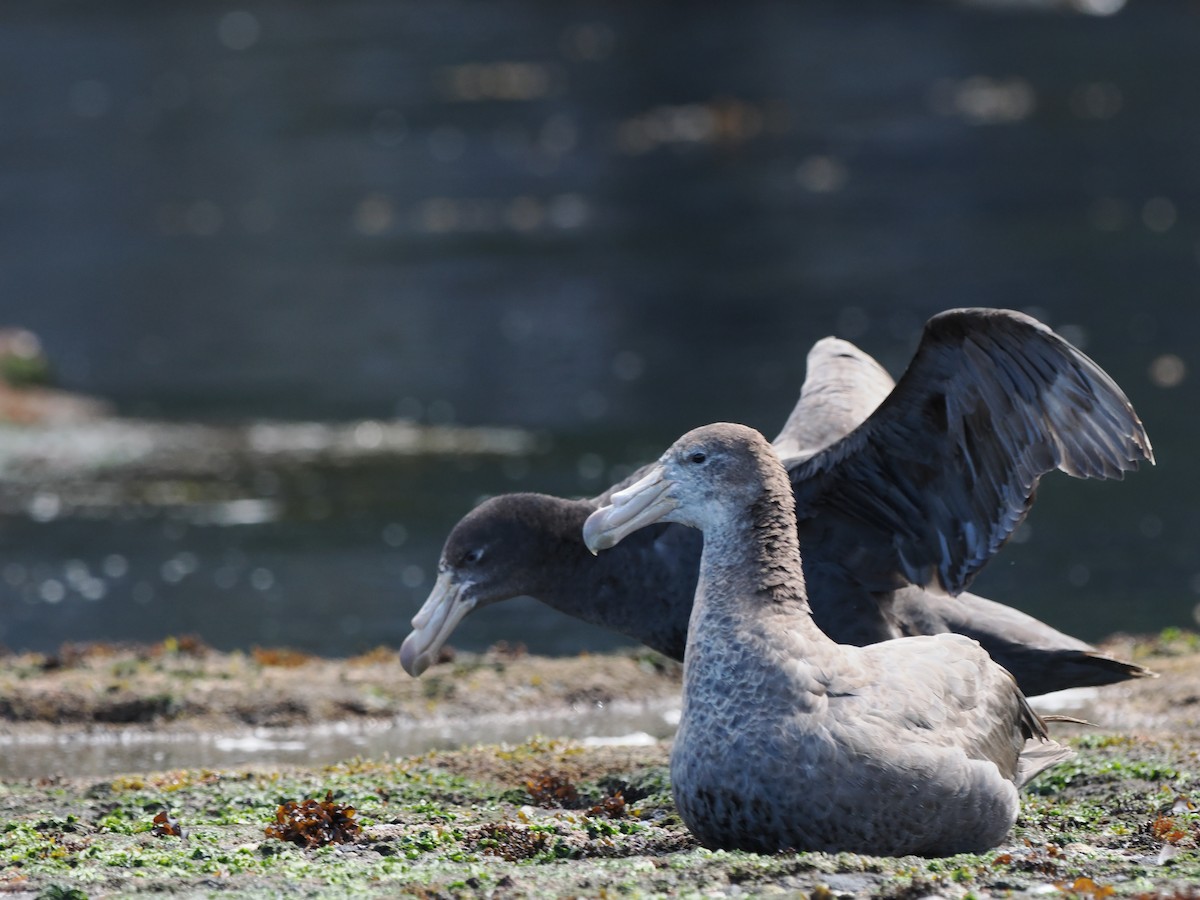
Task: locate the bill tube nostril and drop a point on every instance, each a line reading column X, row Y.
column 642, row 503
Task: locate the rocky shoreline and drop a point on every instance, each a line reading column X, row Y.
column 567, row 814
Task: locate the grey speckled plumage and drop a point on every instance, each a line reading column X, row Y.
column 860, row 546
column 788, row 740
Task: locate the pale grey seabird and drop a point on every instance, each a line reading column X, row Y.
column 790, row 741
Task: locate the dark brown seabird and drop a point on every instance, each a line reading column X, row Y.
column 788, row 740
column 903, row 492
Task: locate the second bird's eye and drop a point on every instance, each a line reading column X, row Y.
column 697, row 457
column 473, row 557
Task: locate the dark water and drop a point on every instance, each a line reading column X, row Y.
column 100, row 752
column 605, row 222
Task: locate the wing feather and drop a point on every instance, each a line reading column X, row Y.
column 937, row 479
column 842, row 387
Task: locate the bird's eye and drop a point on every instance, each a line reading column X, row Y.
column 473, row 557
column 697, row 458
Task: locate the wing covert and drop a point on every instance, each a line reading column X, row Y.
column 937, row 479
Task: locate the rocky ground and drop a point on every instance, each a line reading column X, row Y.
column 547, row 816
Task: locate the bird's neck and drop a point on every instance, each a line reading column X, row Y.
column 751, row 619
column 758, row 554
column 750, row 571
column 638, row 588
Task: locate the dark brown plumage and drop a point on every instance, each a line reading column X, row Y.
column 896, row 487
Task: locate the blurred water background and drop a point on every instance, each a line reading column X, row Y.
column 598, row 223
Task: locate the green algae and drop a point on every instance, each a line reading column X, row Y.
column 459, row 824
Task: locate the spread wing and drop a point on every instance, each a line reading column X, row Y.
column 842, row 387
column 937, row 479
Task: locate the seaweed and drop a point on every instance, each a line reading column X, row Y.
column 281, row 657
column 166, row 826
column 612, row 806
column 314, row 823
column 551, row 790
